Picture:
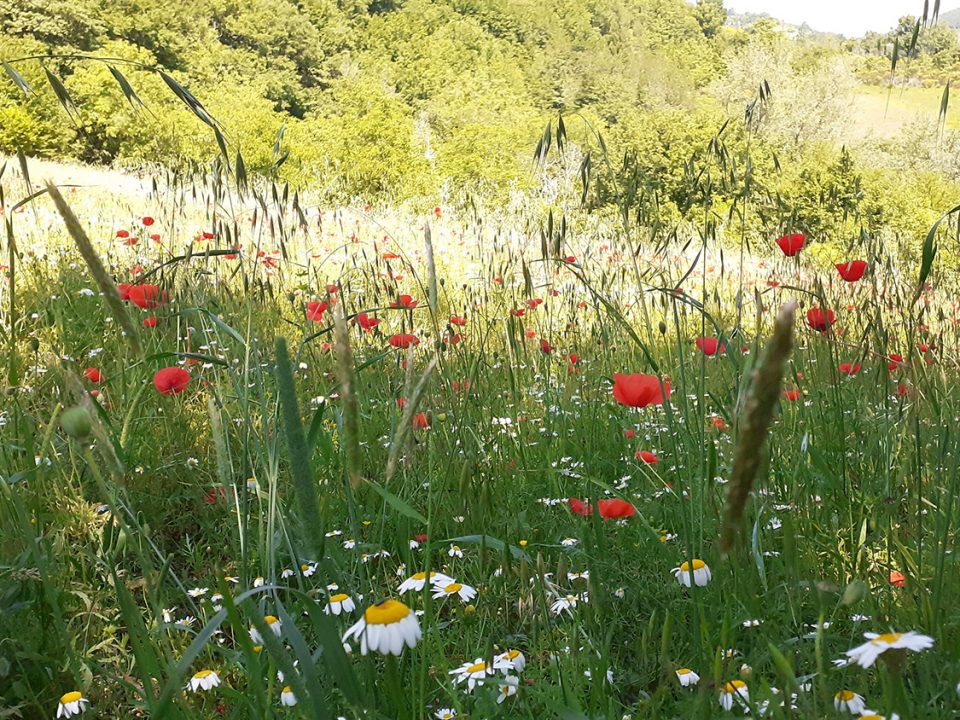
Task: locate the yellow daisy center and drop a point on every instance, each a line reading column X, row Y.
column 683, row 671
column 70, row 697
column 202, row 674
column 453, row 588
column 477, row 667
column 871, row 717
column 386, row 613
column 338, row 598
column 287, row 690
column 511, row 654
column 734, row 686
column 269, row 619
column 420, row 576
column 888, row 638
column 304, row 567
column 845, row 695
column 697, row 565
column 257, row 648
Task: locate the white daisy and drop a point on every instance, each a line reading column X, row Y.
column 455, row 551
column 386, row 627
column 417, row 581
column 865, row 655
column 849, row 701
column 687, row 677
column 511, row 660
column 287, row 697
column 272, row 622
column 197, row 592
column 567, row 602
column 203, row 680
column 72, row 703
column 508, row 686
column 339, row 603
column 445, row 714
column 465, row 592
column 701, row 573
column 474, row 674
column 734, row 692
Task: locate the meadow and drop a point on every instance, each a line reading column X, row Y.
column 266, row 459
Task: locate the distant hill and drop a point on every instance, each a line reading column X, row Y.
column 951, row 18
column 804, row 31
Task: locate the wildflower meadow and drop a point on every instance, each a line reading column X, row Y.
column 267, row 456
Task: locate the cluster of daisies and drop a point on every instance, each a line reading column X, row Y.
column 736, row 694
column 496, row 672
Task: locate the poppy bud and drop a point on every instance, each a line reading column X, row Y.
column 34, row 344
column 663, row 328
column 442, row 417
column 854, row 592
column 76, row 422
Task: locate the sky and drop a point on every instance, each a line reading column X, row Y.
column 848, row 17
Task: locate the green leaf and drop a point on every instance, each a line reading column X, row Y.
column 491, row 542
column 401, row 506
column 18, row 79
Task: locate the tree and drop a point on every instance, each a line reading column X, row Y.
column 711, row 15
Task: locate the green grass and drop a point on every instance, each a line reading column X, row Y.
column 883, row 112
column 102, row 536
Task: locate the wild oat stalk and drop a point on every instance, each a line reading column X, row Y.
column 351, row 413
column 758, row 413
column 406, row 419
column 100, row 275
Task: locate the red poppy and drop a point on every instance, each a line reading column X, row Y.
column 171, row 380
column 145, row 296
column 895, row 362
column 648, row 457
column 94, row 375
column 710, row 346
column 849, row 368
column 150, row 322
column 545, row 347
column 902, row 390
column 366, row 322
column 147, row 221
column 421, row 422
column 791, row 244
column 437, row 212
column 853, row 270
column 615, row 508
column 820, row 319
column 315, row 310
column 571, row 259
column 518, row 313
column 718, row 422
column 405, row 301
column 579, row 507
column 573, row 358
column 422, row 537
column 123, row 234
column 629, row 433
column 131, row 241
column 639, row 390
column 534, row 303
column 155, row 238
column 448, row 338
column 792, row 395
column 404, row 340
column 401, row 403
column 218, row 493
column 459, row 321
column 389, row 256
column 897, row 578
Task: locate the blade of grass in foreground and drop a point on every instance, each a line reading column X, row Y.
column 758, row 414
column 100, row 275
column 297, row 447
